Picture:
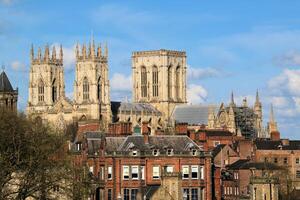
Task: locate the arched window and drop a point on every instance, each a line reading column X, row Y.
column 41, row 92
column 85, row 89
column 144, row 82
column 155, row 81
column 170, row 82
column 99, row 89
column 54, row 91
column 177, row 82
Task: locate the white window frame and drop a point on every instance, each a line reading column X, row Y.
column 169, row 168
column 134, row 153
column 216, row 143
column 185, row 170
column 170, row 152
column 109, row 172
column 143, row 172
column 201, row 172
column 194, row 169
column 155, row 170
column 125, row 171
column 135, row 167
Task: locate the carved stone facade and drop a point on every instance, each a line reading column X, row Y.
column 240, row 120
column 159, row 78
column 47, row 98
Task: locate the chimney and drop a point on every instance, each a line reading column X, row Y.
column 145, row 132
column 275, row 135
column 192, row 134
column 181, row 128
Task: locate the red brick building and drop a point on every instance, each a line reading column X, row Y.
column 133, row 167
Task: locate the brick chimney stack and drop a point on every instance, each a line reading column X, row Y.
column 145, row 132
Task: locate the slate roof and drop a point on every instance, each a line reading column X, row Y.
column 218, row 133
column 5, row 85
column 163, row 142
column 93, row 142
column 217, row 149
column 150, row 190
column 277, row 145
column 247, row 164
column 192, row 114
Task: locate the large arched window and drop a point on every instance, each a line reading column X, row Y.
column 144, row 82
column 177, row 82
column 170, row 82
column 99, row 88
column 155, row 81
column 85, row 89
column 41, row 92
column 54, row 91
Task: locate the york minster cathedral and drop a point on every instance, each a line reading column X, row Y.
column 159, row 93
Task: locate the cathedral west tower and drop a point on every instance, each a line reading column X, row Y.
column 46, row 80
column 91, row 86
column 159, row 78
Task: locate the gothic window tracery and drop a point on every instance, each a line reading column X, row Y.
column 99, row 88
column 41, row 92
column 144, row 82
column 155, row 81
column 54, row 91
column 178, row 82
column 170, row 82
column 85, row 89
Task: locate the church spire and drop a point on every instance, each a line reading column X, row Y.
column 61, row 54
column 232, row 99
column 257, row 97
column 53, row 53
column 272, row 118
column 32, row 53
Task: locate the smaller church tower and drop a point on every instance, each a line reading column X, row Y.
column 258, row 111
column 8, row 96
column 91, row 86
column 272, row 125
column 46, row 80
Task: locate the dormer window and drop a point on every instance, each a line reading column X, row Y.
column 134, row 153
column 194, row 152
column 78, row 146
column 169, row 152
column 155, row 152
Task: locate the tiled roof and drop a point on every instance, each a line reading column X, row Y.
column 192, row 114
column 5, row 85
column 137, row 107
column 246, row 164
column 218, row 133
column 277, row 145
column 162, row 142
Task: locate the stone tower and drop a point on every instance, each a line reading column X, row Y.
column 258, row 111
column 91, row 86
column 159, row 78
column 8, row 96
column 46, row 80
column 272, row 125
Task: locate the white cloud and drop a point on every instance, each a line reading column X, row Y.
column 196, row 94
column 18, row 66
column 288, row 81
column 290, row 58
column 279, row 101
column 120, row 82
column 199, row 73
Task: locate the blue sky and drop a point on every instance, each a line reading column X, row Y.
column 238, row 46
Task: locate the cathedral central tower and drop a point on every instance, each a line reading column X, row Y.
column 159, row 78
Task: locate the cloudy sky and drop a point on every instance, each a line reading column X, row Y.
column 238, row 46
